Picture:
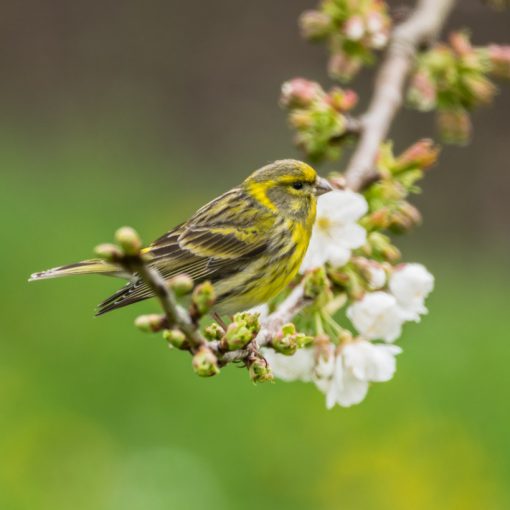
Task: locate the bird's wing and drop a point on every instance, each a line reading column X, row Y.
column 205, row 248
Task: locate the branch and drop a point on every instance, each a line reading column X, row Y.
column 175, row 316
column 423, row 25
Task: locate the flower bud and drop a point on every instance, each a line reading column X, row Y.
column 300, row 93
column 205, row 363
column 354, row 28
column 181, row 284
column 108, row 252
column 454, row 125
column 150, row 323
column 382, row 247
column 301, row 119
column 422, row 93
column 342, row 100
column 128, row 240
column 315, row 283
column 404, row 217
column 203, row 298
column 460, row 43
column 259, row 371
column 214, row 332
column 421, row 154
column 175, row 337
column 315, row 25
column 378, row 41
column 237, row 336
column 343, row 67
column 499, row 57
column 482, row 89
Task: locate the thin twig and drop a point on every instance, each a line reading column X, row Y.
column 421, row 27
column 175, row 315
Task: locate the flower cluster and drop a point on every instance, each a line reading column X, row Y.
column 342, row 367
column 354, row 262
column 320, row 118
column 454, row 79
column 352, row 29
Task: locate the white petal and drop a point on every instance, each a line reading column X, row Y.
column 377, row 276
column 377, row 316
column 411, row 284
column 342, row 206
column 351, row 235
column 371, row 362
column 338, row 256
column 291, row 368
column 353, row 390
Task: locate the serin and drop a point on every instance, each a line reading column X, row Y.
column 249, row 242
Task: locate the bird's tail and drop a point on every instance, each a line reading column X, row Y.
column 93, row 266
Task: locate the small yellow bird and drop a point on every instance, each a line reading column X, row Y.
column 249, row 242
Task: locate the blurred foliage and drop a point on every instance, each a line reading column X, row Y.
column 96, row 415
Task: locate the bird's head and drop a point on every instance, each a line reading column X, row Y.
column 287, row 186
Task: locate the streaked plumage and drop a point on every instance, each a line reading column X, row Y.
column 249, row 242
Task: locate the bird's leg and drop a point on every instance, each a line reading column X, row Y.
column 219, row 320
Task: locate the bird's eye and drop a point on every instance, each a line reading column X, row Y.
column 298, row 185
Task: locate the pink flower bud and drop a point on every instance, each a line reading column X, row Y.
column 422, row 91
column 459, row 41
column 500, row 60
column 481, row 88
column 422, row 154
column 300, row 93
column 342, row 100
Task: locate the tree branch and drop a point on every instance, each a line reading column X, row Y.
column 421, row 27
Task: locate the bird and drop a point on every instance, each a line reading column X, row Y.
column 249, row 242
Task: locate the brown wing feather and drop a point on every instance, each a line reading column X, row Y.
column 205, row 248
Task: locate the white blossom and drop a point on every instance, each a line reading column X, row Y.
column 298, row 367
column 376, row 276
column 354, row 368
column 371, row 362
column 377, row 316
column 336, row 232
column 411, row 284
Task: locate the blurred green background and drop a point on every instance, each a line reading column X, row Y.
column 137, row 113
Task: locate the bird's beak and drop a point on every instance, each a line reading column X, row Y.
column 322, row 186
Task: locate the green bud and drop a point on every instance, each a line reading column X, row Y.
column 237, row 336
column 203, row 298
column 315, row 25
column 251, row 320
column 108, row 252
column 181, row 284
column 303, row 340
column 150, row 323
column 316, row 282
column 260, row 371
column 285, row 344
column 128, row 240
column 288, row 329
column 288, row 341
column 214, row 332
column 381, row 246
column 175, row 337
column 205, row 363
